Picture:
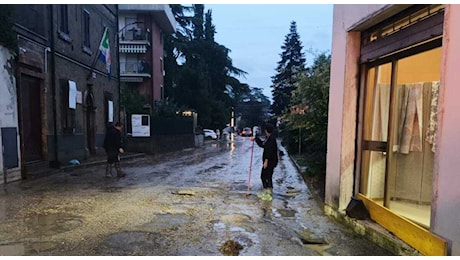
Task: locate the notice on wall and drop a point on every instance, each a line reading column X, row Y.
column 110, row 111
column 72, row 95
column 79, row 97
column 140, row 125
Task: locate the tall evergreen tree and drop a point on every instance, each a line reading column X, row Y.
column 291, row 65
column 203, row 79
column 198, row 23
column 209, row 28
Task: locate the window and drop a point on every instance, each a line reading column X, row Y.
column 86, row 30
column 64, row 19
column 63, row 31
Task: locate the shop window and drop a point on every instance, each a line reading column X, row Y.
column 399, row 111
column 399, row 134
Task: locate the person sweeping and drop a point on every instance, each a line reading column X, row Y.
column 270, row 160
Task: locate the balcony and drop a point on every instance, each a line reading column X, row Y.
column 134, row 40
column 135, row 71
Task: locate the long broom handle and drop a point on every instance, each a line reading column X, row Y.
column 250, row 168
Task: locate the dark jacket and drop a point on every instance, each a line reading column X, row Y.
column 270, row 150
column 112, row 139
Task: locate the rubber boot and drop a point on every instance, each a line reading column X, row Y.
column 262, row 193
column 108, row 169
column 120, row 174
column 266, row 195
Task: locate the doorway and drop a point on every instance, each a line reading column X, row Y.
column 31, row 117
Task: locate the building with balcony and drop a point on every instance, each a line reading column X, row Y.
column 141, row 30
column 393, row 121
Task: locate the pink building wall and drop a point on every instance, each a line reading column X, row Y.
column 157, row 54
column 446, row 206
column 348, row 21
column 342, row 99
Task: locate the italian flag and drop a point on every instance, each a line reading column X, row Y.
column 104, row 51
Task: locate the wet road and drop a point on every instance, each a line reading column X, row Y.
column 193, row 202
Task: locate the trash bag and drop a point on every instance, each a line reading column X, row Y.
column 74, row 162
column 356, row 209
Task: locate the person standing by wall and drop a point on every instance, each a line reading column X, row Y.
column 270, row 160
column 113, row 147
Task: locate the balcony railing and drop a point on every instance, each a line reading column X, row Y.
column 134, row 34
column 139, row 68
column 134, row 40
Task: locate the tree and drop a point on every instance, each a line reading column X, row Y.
column 308, row 115
column 199, row 72
column 253, row 108
column 291, row 65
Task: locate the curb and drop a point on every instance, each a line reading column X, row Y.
column 301, row 171
column 99, row 162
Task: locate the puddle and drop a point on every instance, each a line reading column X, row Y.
column 134, row 243
column 20, row 249
column 236, row 222
column 287, row 213
column 309, row 240
column 50, row 224
column 210, row 169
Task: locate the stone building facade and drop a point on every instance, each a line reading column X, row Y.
column 66, row 95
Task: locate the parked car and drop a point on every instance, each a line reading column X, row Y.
column 256, row 130
column 247, row 131
column 209, row 134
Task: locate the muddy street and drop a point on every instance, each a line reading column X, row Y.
column 193, row 202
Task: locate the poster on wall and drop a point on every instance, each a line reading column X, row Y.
column 140, row 125
column 72, row 95
column 110, row 106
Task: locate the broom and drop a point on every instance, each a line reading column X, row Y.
column 250, row 169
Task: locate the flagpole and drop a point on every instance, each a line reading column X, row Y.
column 93, row 64
column 97, row 55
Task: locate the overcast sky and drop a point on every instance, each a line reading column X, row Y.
column 255, row 33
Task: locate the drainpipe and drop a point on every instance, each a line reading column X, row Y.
column 118, row 63
column 47, row 49
column 55, row 163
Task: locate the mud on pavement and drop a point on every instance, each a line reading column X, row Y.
column 193, row 202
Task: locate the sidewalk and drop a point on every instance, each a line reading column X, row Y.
column 42, row 170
